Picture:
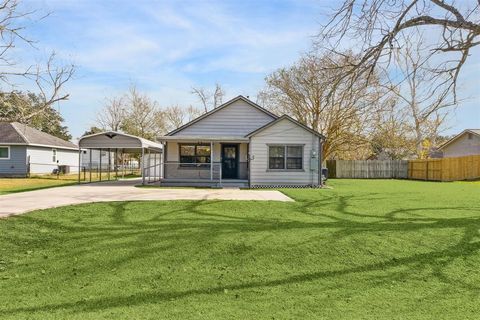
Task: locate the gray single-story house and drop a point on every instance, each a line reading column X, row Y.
column 466, row 143
column 25, row 150
column 242, row 144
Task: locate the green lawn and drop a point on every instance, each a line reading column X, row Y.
column 362, row 250
column 12, row 185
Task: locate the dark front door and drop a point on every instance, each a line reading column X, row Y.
column 229, row 161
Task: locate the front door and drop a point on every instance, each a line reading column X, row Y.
column 229, row 161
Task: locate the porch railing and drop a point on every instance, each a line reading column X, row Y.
column 176, row 171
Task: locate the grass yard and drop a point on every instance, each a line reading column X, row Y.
column 363, row 250
column 12, row 185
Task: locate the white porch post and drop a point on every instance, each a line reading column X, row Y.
column 211, row 160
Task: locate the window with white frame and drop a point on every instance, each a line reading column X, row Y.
column 285, row 157
column 4, row 152
column 54, row 155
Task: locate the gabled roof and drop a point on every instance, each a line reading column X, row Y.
column 20, row 134
column 226, row 104
column 472, row 131
column 285, row 117
column 111, row 141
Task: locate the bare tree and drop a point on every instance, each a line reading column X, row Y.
column 143, row 116
column 203, row 96
column 49, row 79
column 208, row 99
column 426, row 110
column 390, row 135
column 218, row 96
column 113, row 114
column 376, row 28
column 176, row 116
column 301, row 92
column 11, row 30
column 50, row 83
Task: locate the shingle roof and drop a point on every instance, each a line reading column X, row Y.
column 477, row 131
column 8, row 134
column 474, row 131
column 17, row 133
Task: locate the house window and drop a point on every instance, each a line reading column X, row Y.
column 194, row 155
column 285, row 157
column 54, row 155
column 4, row 152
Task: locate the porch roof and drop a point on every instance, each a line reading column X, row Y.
column 204, row 138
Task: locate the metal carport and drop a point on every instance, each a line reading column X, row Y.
column 112, row 141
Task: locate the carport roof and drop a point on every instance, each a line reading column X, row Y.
column 117, row 140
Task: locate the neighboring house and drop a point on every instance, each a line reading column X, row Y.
column 25, row 150
column 242, row 144
column 467, row 143
column 96, row 158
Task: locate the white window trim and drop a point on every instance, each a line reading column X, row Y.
column 8, row 150
column 54, row 151
column 285, row 145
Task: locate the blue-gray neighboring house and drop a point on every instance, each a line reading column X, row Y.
column 25, row 150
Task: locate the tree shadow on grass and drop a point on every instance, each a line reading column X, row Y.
column 168, row 226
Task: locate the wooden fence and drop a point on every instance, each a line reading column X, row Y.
column 446, row 169
column 368, row 169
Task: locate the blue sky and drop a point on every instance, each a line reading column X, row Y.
column 167, row 47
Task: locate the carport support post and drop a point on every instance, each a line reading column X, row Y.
column 154, row 167
column 100, row 171
column 123, row 163
column 109, row 163
column 115, row 164
column 90, row 164
column 148, row 164
column 79, row 163
column 143, row 166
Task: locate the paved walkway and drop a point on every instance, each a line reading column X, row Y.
column 18, row 203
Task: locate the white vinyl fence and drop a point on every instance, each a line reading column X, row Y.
column 369, row 169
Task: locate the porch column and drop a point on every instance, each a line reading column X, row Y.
column 211, row 160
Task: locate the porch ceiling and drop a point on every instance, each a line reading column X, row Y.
column 204, row 138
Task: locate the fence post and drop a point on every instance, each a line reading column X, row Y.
column 426, row 169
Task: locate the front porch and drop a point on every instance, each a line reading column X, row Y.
column 205, row 162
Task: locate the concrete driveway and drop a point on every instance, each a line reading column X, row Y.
column 18, row 203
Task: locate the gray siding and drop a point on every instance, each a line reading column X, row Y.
column 463, row 147
column 283, row 132
column 16, row 166
column 236, row 119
